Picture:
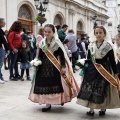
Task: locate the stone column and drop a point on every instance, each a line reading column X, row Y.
column 71, row 19
column 66, row 15
column 86, row 21
column 35, row 27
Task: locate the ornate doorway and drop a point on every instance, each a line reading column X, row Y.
column 25, row 17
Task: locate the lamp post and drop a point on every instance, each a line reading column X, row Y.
column 41, row 6
column 118, row 28
column 95, row 21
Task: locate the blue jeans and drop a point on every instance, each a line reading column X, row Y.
column 82, row 55
column 2, row 56
column 13, row 63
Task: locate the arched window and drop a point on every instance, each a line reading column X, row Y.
column 24, row 12
column 79, row 26
column 80, row 31
column 58, row 20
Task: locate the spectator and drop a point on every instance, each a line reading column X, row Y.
column 39, row 37
column 24, row 35
column 82, row 48
column 66, row 45
column 24, row 59
column 14, row 41
column 87, row 42
column 3, row 46
column 58, row 27
column 7, row 56
column 61, row 33
column 73, row 47
column 31, row 44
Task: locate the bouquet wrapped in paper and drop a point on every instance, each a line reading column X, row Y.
column 81, row 63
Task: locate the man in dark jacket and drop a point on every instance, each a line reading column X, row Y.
column 82, row 48
column 3, row 46
column 24, row 35
column 61, row 33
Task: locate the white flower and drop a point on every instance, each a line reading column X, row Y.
column 81, row 61
column 32, row 62
column 36, row 62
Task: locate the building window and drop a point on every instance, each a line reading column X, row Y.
column 24, row 12
column 104, row 2
column 109, row 23
column 79, row 25
column 58, row 20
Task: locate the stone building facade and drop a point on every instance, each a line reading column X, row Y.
column 77, row 14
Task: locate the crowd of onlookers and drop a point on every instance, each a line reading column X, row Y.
column 17, row 45
column 75, row 47
column 20, row 45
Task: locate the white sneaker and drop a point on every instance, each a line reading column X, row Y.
column 2, row 82
column 5, row 80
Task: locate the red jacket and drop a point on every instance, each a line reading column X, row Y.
column 14, row 40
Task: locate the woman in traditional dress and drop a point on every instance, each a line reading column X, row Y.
column 54, row 83
column 117, row 53
column 99, row 87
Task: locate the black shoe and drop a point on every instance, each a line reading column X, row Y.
column 6, row 68
column 18, row 77
column 28, row 78
column 22, row 79
column 90, row 113
column 62, row 104
column 46, row 109
column 102, row 113
column 12, row 78
column 73, row 71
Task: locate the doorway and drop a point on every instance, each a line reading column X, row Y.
column 25, row 17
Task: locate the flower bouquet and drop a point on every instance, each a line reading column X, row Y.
column 41, row 19
column 82, row 63
column 36, row 62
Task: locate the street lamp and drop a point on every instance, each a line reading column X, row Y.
column 118, row 28
column 41, row 6
column 95, row 21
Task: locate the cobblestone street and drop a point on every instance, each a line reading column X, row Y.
column 14, row 105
